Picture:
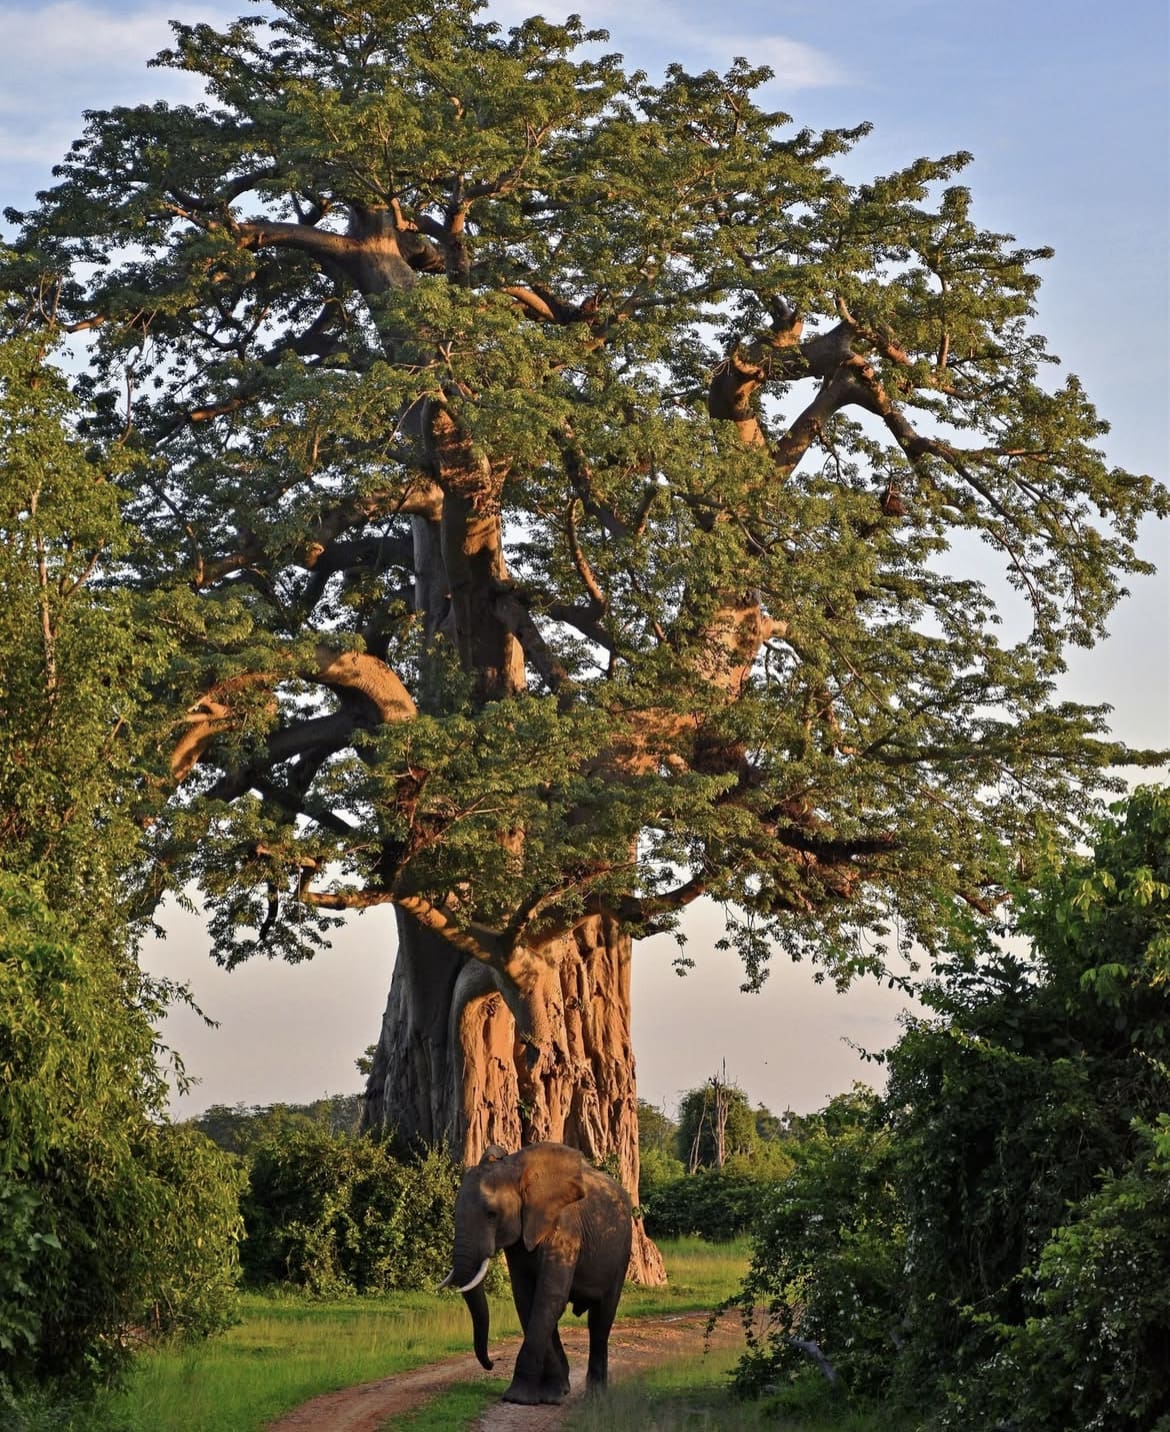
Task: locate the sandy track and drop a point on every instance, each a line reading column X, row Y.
column 634, row 1345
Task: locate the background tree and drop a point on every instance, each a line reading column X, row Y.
column 567, row 472
column 657, row 1148
column 239, row 1129
column 715, row 1121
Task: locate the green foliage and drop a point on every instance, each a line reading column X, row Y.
column 571, row 260
column 989, row 1242
column 1013, row 1105
column 112, row 1222
column 828, row 1261
column 712, row 1201
column 334, row 1214
column 49, row 1408
column 1099, row 1310
column 710, row 1204
column 239, row 1129
column 76, row 656
column 114, row 1227
column 715, row 1122
column 658, row 1163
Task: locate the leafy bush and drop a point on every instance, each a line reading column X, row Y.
column 708, row 1204
column 109, row 1221
column 335, row 1214
column 1097, row 1345
column 989, row 1242
column 828, row 1260
column 190, row 1253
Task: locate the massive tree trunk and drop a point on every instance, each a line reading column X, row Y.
column 471, row 1055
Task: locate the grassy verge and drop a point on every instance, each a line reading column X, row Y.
column 459, row 1406
column 286, row 1350
column 693, row 1396
column 700, row 1275
column 283, row 1352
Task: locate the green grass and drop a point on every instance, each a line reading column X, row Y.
column 701, row 1275
column 286, row 1350
column 459, row 1406
column 692, row 1395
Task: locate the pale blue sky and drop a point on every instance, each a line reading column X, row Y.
column 1064, row 104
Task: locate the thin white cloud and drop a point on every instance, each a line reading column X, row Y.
column 58, row 60
column 654, row 33
column 61, row 58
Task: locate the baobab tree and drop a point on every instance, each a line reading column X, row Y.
column 569, row 483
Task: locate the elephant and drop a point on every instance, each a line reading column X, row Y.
column 565, row 1229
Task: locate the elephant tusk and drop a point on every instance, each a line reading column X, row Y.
column 447, row 1281
column 479, row 1277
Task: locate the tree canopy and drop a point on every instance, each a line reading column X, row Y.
column 575, row 487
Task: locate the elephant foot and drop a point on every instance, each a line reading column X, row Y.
column 545, row 1392
column 525, row 1393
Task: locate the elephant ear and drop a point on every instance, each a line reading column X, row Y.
column 551, row 1179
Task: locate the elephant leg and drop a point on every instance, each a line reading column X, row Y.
column 556, row 1370
column 601, row 1316
column 541, row 1352
column 554, row 1377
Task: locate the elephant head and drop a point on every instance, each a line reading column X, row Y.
column 504, row 1200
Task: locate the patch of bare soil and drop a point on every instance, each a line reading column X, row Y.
column 633, row 1346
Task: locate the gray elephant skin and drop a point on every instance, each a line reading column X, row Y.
column 565, row 1229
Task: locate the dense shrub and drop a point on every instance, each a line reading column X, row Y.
column 1098, row 1337
column 334, row 1214
column 828, row 1259
column 990, row 1242
column 109, row 1221
column 708, row 1204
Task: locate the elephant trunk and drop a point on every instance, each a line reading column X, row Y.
column 477, row 1306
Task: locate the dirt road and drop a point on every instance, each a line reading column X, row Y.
column 633, row 1346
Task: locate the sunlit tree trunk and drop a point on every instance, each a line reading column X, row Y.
column 470, row 1055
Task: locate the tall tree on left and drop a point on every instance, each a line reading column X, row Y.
column 109, row 1217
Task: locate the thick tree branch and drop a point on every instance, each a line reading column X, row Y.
column 643, row 910
column 473, row 939
column 518, row 620
column 352, row 672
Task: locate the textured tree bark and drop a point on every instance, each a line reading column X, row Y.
column 470, row 1055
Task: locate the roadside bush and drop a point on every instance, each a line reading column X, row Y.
column 1097, row 1348
column 334, row 1214
column 987, row 1244
column 828, row 1259
column 190, row 1252
column 708, row 1204
column 109, row 1221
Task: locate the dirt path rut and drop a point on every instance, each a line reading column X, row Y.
column 633, row 1346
